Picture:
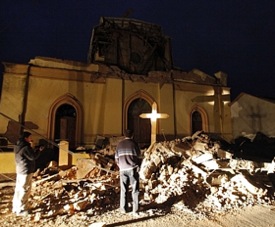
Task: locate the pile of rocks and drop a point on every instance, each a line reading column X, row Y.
column 193, row 173
column 199, row 175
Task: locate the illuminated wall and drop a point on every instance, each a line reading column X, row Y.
column 100, row 93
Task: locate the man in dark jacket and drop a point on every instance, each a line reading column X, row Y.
column 128, row 159
column 25, row 167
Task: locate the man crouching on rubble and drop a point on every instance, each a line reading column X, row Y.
column 128, row 159
column 25, row 158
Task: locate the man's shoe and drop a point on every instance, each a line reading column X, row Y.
column 123, row 211
column 22, row 213
column 138, row 214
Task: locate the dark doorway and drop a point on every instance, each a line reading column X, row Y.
column 196, row 122
column 65, row 125
column 140, row 126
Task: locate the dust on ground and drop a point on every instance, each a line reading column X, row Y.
column 176, row 215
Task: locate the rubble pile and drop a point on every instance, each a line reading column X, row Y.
column 62, row 193
column 99, row 164
column 198, row 174
column 193, row 173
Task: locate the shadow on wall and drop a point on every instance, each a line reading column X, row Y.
column 13, row 130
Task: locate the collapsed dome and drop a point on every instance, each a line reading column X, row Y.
column 134, row 46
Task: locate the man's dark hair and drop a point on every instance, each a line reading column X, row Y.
column 128, row 133
column 25, row 135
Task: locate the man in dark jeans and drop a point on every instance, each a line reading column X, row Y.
column 128, row 159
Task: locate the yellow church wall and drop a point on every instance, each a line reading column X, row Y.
column 55, row 63
column 7, row 160
column 166, row 105
column 162, row 95
column 13, row 68
column 113, row 109
column 11, row 98
column 102, row 99
column 101, row 102
column 184, row 106
column 93, row 103
column 90, row 95
column 227, row 124
column 41, row 96
column 69, row 74
column 133, row 87
column 182, row 113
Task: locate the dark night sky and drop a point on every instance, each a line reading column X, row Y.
column 233, row 36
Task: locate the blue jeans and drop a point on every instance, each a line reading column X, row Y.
column 128, row 177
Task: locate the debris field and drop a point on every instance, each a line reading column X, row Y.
column 194, row 173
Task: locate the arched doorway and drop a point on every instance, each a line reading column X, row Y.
column 68, row 110
column 140, row 126
column 196, row 122
column 65, row 124
column 198, row 119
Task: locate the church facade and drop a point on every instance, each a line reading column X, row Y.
column 126, row 73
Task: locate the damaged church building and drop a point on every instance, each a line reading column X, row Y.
column 128, row 70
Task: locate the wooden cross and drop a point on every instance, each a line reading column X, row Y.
column 153, row 118
column 218, row 99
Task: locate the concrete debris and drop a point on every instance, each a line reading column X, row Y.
column 194, row 173
column 94, row 166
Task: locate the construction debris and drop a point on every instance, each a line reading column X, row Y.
column 193, row 173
